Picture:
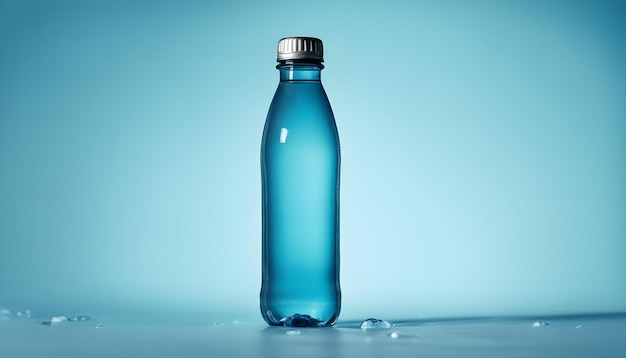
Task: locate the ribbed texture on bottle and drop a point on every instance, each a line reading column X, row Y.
column 300, row 48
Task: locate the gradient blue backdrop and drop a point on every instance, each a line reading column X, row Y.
column 483, row 142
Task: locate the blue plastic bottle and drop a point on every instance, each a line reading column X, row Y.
column 300, row 162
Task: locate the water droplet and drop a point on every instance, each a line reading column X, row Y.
column 218, row 324
column 26, row 313
column 540, row 324
column 373, row 323
column 579, row 326
column 398, row 335
column 99, row 325
column 293, row 332
column 301, row 320
column 58, row 319
column 79, row 318
column 52, row 321
column 5, row 313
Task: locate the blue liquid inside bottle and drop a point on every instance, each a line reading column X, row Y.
column 300, row 161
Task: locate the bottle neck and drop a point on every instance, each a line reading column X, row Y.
column 299, row 71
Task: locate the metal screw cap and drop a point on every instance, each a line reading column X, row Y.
column 300, row 48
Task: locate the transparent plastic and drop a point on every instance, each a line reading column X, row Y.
column 300, row 161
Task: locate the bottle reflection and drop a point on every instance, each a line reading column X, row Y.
column 301, row 342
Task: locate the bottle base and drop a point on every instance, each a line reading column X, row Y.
column 297, row 320
column 301, row 320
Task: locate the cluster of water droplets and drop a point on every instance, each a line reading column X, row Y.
column 60, row 319
column 6, row 314
column 294, row 322
column 544, row 323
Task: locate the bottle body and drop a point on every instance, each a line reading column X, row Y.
column 300, row 162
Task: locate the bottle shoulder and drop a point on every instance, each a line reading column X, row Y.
column 300, row 93
column 301, row 111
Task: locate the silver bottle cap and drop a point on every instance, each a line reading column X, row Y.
column 300, row 48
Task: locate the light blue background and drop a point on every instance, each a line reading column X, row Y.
column 483, row 154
